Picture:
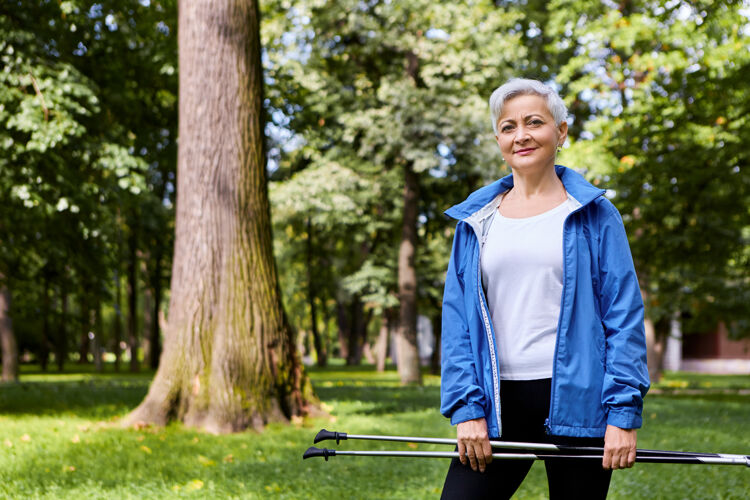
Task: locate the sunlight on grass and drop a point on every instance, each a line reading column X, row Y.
column 59, row 438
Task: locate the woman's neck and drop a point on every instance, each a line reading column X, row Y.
column 529, row 184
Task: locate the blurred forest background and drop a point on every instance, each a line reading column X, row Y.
column 376, row 123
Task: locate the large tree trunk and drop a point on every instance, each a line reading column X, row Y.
column 229, row 360
column 8, row 345
column 406, row 335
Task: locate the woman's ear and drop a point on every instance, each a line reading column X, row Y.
column 563, row 130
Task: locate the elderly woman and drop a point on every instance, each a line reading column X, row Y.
column 543, row 337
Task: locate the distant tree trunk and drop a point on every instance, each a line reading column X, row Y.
column 147, row 309
column 437, row 327
column 656, row 337
column 98, row 335
column 83, row 339
column 44, row 348
column 154, row 331
column 133, row 343
column 354, row 349
column 8, row 345
column 229, row 360
column 117, row 318
column 61, row 347
column 381, row 346
column 317, row 342
column 344, row 328
column 406, row 336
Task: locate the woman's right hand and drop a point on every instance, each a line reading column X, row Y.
column 474, row 443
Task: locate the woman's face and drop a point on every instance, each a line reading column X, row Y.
column 527, row 134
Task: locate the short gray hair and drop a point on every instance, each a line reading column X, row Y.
column 524, row 86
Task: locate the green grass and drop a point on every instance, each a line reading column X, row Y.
column 59, row 439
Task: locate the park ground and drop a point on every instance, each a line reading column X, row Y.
column 59, row 438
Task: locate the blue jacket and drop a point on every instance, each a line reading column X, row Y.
column 599, row 373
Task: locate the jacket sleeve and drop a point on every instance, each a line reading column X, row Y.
column 461, row 396
column 626, row 374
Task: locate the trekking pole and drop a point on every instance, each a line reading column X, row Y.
column 550, row 449
column 721, row 460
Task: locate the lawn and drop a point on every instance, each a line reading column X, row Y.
column 59, row 439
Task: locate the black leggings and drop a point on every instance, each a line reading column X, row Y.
column 525, row 407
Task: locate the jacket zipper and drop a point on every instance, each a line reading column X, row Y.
column 548, row 420
column 481, row 239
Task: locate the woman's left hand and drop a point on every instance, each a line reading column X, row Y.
column 619, row 448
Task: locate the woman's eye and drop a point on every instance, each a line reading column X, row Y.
column 506, row 128
column 536, row 122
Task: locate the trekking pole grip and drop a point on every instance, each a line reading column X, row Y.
column 324, row 434
column 312, row 451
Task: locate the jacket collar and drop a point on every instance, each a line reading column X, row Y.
column 576, row 186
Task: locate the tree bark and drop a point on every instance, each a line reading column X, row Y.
column 406, row 335
column 8, row 343
column 229, row 361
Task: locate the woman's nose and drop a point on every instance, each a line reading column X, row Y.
column 521, row 134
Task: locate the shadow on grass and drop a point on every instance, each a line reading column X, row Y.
column 376, row 400
column 92, row 398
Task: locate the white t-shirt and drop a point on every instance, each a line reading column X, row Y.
column 522, row 273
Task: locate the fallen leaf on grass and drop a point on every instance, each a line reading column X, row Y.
column 69, row 468
column 229, row 459
column 8, row 443
column 297, row 420
column 193, row 485
column 25, row 438
column 140, row 438
column 146, row 449
column 75, row 439
column 205, row 461
column 195, row 439
column 413, row 446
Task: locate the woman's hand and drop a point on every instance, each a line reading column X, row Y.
column 474, row 443
column 619, row 448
